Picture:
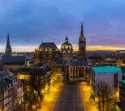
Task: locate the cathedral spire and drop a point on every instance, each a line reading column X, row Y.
column 82, row 32
column 82, row 43
column 8, row 40
column 8, row 50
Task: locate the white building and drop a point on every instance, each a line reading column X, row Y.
column 77, row 71
column 109, row 74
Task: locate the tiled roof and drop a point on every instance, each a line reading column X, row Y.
column 84, row 62
column 48, row 45
column 35, row 70
column 5, row 80
column 3, row 74
column 13, row 60
column 80, row 63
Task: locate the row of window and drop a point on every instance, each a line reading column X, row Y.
column 66, row 47
column 69, row 51
column 74, row 76
column 48, row 49
column 10, row 84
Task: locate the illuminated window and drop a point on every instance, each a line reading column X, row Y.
column 63, row 47
column 68, row 51
column 66, row 46
column 69, row 47
column 50, row 49
column 40, row 49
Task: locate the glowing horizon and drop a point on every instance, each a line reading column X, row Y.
column 31, row 21
column 75, row 47
column 100, row 47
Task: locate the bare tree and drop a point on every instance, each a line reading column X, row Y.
column 14, row 98
column 104, row 93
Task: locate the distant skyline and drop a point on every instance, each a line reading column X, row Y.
column 30, row 22
column 75, row 48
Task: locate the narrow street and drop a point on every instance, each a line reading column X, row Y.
column 70, row 99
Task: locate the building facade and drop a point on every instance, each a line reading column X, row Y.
column 13, row 62
column 11, row 92
column 78, row 73
column 43, row 71
column 108, row 74
column 47, row 53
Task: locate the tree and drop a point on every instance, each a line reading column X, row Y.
column 33, row 87
column 25, row 93
column 14, row 97
column 104, row 93
column 36, row 86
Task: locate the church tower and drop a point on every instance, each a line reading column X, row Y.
column 8, row 50
column 82, row 44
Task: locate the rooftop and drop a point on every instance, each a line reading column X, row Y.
column 123, row 81
column 13, row 60
column 106, row 69
column 5, row 80
column 3, row 74
column 48, row 45
column 35, row 69
column 80, row 63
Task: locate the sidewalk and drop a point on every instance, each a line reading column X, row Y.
column 50, row 97
column 86, row 93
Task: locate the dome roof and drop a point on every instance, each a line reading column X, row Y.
column 66, row 47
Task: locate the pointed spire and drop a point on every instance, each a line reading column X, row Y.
column 8, row 50
column 8, row 40
column 82, row 43
column 82, row 30
column 82, row 38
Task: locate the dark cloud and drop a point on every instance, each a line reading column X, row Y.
column 51, row 20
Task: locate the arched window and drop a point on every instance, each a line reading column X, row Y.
column 69, row 47
column 50, row 49
column 63, row 47
column 66, row 46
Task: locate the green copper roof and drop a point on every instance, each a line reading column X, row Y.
column 106, row 69
column 123, row 81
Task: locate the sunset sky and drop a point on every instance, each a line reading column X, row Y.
column 31, row 22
